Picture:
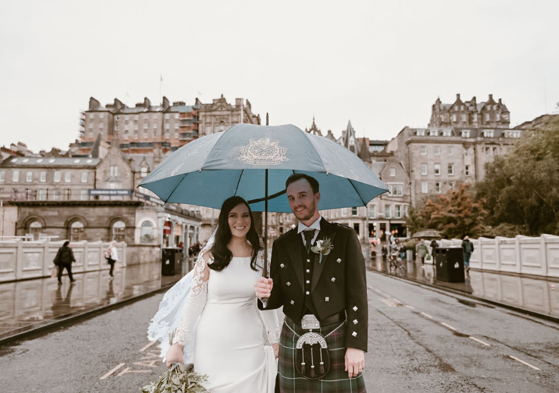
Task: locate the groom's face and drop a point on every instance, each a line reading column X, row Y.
column 302, row 201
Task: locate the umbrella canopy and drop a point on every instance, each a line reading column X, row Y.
column 209, row 170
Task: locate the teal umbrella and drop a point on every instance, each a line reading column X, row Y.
column 254, row 162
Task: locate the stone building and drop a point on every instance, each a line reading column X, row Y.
column 169, row 126
column 94, row 198
column 436, row 158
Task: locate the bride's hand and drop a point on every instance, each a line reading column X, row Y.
column 276, row 349
column 174, row 355
column 263, row 287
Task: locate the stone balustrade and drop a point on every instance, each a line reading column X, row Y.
column 21, row 260
column 537, row 256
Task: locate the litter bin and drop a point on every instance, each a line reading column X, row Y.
column 449, row 263
column 171, row 261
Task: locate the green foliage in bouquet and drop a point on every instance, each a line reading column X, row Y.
column 178, row 378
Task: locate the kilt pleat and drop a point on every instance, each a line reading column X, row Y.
column 336, row 381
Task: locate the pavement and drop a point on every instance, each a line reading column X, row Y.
column 35, row 306
column 537, row 296
column 32, row 307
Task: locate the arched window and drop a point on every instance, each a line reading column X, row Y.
column 35, row 228
column 76, row 231
column 118, row 231
column 147, row 235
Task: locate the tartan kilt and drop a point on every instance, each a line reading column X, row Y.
column 335, row 381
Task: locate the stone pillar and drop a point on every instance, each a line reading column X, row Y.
column 172, row 235
column 160, row 232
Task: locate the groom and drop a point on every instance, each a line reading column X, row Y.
column 326, row 291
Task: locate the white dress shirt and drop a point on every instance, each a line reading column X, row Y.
column 315, row 225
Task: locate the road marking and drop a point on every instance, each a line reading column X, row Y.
column 112, row 371
column 127, row 370
column 147, row 346
column 408, row 306
column 448, row 326
column 427, row 315
column 479, row 341
column 523, row 362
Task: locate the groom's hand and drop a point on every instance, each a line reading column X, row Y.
column 263, row 287
column 354, row 362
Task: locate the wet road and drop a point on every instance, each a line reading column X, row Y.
column 421, row 340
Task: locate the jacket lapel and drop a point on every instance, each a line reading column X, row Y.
column 295, row 250
column 325, row 233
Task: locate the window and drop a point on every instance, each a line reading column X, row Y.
column 420, row 133
column 437, row 150
column 167, row 116
column 118, row 231
column 434, row 133
column 83, row 195
column 387, row 211
column 167, row 126
column 437, row 169
column 146, row 235
column 145, row 126
column 450, row 150
column 76, row 231
column 465, row 133
column 451, row 169
column 176, row 115
column 451, row 185
column 353, row 211
column 84, row 177
column 56, row 195
column 424, row 169
column 487, row 151
column 494, row 151
column 126, row 128
column 395, row 189
column 474, row 118
column 114, row 170
column 392, row 172
column 101, row 125
column 424, row 187
column 154, row 126
column 466, row 151
column 143, row 172
column 29, row 176
column 438, row 188
column 136, row 117
column 101, row 115
column 57, row 176
column 15, row 176
column 454, row 117
column 91, row 115
column 423, row 150
column 467, row 170
column 35, row 228
column 372, row 211
column 68, row 177
column 135, row 127
column 498, row 117
column 42, row 195
column 447, row 133
column 487, row 117
column 397, row 212
column 488, row 133
column 2, row 176
column 344, row 212
column 90, row 125
column 463, row 118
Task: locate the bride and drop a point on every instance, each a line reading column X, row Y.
column 220, row 327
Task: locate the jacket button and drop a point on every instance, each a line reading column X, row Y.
column 308, row 293
column 308, row 260
column 308, row 270
column 288, row 283
column 338, row 260
column 354, row 334
column 282, row 265
column 355, row 322
column 292, row 302
column 327, row 299
column 355, row 308
column 333, row 279
column 308, row 281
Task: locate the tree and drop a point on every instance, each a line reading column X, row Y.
column 522, row 188
column 454, row 214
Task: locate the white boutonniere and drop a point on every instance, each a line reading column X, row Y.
column 322, row 247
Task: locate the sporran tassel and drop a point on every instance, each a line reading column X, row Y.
column 313, row 374
column 303, row 369
column 321, row 367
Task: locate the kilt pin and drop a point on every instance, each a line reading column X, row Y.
column 337, row 286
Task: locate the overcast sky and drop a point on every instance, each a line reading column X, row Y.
column 380, row 64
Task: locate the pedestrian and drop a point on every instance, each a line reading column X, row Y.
column 318, row 277
column 384, row 253
column 220, row 312
column 64, row 258
column 422, row 250
column 403, row 252
column 112, row 257
column 434, row 245
column 468, row 248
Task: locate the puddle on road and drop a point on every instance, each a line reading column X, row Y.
column 473, row 304
column 460, row 334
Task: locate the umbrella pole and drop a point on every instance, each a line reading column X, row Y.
column 266, row 272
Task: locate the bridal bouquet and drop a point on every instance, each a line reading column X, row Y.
column 178, row 378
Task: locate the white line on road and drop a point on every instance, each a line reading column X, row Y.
column 523, row 362
column 448, row 326
column 479, row 341
column 112, row 371
column 427, row 315
column 147, row 346
column 408, row 306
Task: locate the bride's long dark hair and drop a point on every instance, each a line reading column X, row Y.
column 221, row 254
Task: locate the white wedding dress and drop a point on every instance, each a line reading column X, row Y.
column 220, row 318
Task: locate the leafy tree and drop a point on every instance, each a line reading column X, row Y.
column 454, row 214
column 521, row 189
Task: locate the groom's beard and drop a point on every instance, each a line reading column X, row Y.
column 311, row 209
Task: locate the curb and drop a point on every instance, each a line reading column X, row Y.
column 469, row 295
column 80, row 317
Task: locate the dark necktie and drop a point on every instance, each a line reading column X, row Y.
column 309, row 234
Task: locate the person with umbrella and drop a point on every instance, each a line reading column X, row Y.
column 318, row 277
